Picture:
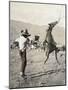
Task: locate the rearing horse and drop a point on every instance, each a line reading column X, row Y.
column 49, row 43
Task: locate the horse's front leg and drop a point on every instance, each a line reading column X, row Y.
column 47, row 56
column 56, row 57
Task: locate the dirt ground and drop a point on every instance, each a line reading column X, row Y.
column 38, row 73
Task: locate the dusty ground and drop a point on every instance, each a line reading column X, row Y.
column 38, row 73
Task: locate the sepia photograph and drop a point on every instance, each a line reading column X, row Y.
column 37, row 44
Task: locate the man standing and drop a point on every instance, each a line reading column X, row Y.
column 22, row 42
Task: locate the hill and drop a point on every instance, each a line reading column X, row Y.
column 17, row 26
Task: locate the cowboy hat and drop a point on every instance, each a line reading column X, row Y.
column 26, row 34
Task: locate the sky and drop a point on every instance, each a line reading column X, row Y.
column 40, row 14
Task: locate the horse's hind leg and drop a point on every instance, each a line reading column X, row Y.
column 56, row 57
column 47, row 54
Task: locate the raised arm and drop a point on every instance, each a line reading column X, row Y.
column 15, row 44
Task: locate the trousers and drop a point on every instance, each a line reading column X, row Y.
column 23, row 61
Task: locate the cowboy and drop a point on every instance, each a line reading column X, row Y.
column 23, row 41
column 36, row 41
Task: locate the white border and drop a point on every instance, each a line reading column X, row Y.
column 4, row 43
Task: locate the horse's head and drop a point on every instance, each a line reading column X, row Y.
column 51, row 26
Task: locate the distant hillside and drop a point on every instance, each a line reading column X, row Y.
column 17, row 26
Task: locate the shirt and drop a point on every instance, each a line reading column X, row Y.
column 21, row 40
